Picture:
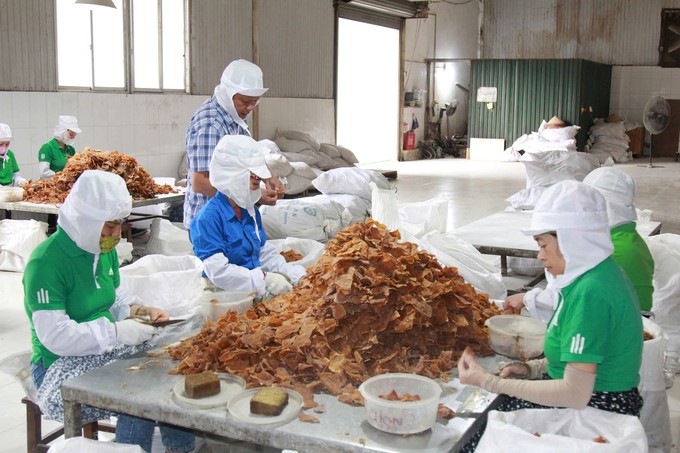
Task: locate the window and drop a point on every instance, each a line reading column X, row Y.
column 93, row 51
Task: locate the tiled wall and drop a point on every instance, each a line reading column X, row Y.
column 149, row 127
column 633, row 86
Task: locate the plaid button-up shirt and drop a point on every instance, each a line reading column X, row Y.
column 208, row 125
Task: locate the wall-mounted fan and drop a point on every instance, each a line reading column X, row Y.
column 655, row 117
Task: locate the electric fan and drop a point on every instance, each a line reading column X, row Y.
column 655, row 117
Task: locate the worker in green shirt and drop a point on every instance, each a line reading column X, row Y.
column 593, row 342
column 9, row 169
column 630, row 249
column 76, row 308
column 53, row 154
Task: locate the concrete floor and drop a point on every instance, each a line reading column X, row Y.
column 476, row 189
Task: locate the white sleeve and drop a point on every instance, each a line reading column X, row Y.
column 17, row 179
column 272, row 261
column 45, row 172
column 121, row 307
column 541, row 303
column 232, row 277
column 64, row 336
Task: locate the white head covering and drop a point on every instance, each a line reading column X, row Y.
column 5, row 132
column 618, row 189
column 234, row 158
column 96, row 197
column 64, row 123
column 242, row 77
column 578, row 214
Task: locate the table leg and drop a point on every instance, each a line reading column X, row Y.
column 504, row 265
column 73, row 419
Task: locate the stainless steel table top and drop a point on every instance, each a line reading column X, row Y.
column 148, row 392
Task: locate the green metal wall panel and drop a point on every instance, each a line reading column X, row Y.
column 530, row 91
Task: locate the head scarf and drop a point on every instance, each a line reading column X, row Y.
column 234, row 158
column 96, row 198
column 239, row 77
column 618, row 189
column 65, row 123
column 578, row 214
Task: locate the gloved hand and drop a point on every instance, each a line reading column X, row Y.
column 132, row 332
column 276, row 283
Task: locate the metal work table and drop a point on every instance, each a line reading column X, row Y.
column 343, row 428
column 501, row 234
column 41, row 208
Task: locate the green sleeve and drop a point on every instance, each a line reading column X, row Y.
column 45, row 288
column 45, row 153
column 583, row 332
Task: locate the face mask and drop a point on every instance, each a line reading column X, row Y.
column 3, row 150
column 66, row 140
column 108, row 243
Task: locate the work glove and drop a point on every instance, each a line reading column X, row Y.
column 275, row 283
column 132, row 332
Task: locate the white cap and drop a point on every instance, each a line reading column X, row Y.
column 234, row 158
column 577, row 213
column 569, row 205
column 5, row 132
column 96, row 198
column 64, row 123
column 618, row 189
column 244, row 77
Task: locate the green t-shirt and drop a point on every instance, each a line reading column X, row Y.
column 58, row 276
column 632, row 254
column 8, row 168
column 598, row 321
column 51, row 152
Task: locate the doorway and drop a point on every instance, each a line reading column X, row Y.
column 367, row 102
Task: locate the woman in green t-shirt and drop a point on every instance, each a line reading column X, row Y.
column 593, row 343
column 53, row 155
column 9, row 169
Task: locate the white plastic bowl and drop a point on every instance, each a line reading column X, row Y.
column 401, row 417
column 213, row 305
column 11, row 193
column 518, row 337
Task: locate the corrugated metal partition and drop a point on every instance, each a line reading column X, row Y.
column 220, row 33
column 27, row 46
column 296, row 48
column 530, row 91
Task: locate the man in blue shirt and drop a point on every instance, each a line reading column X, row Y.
column 224, row 113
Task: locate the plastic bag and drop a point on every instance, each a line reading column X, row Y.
column 171, row 283
column 19, row 367
column 167, row 239
column 85, row 445
column 665, row 249
column 301, row 218
column 310, row 249
column 562, row 430
column 450, row 250
column 18, row 238
column 423, row 217
column 384, row 206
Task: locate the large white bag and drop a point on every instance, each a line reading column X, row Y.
column 171, row 283
column 665, row 249
column 450, row 250
column 167, row 239
column 422, row 217
column 562, row 430
column 301, row 218
column 85, row 445
column 655, row 415
column 18, row 238
column 384, row 206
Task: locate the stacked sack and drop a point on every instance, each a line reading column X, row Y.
column 608, row 138
column 297, row 157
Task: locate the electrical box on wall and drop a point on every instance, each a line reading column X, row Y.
column 487, row 95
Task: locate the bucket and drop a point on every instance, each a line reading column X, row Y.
column 213, row 305
column 409, row 141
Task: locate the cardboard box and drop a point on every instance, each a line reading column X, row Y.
column 410, row 154
column 637, row 141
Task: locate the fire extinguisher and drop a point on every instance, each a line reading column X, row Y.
column 409, row 140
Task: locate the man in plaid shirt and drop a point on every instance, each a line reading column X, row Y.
column 222, row 114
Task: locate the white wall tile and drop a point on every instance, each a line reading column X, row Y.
column 85, row 115
column 114, row 110
column 38, row 138
column 21, row 145
column 38, row 109
column 114, row 138
column 55, row 107
column 100, row 109
column 6, row 109
column 21, row 110
column 95, row 137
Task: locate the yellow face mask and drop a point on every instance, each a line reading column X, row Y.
column 108, row 243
